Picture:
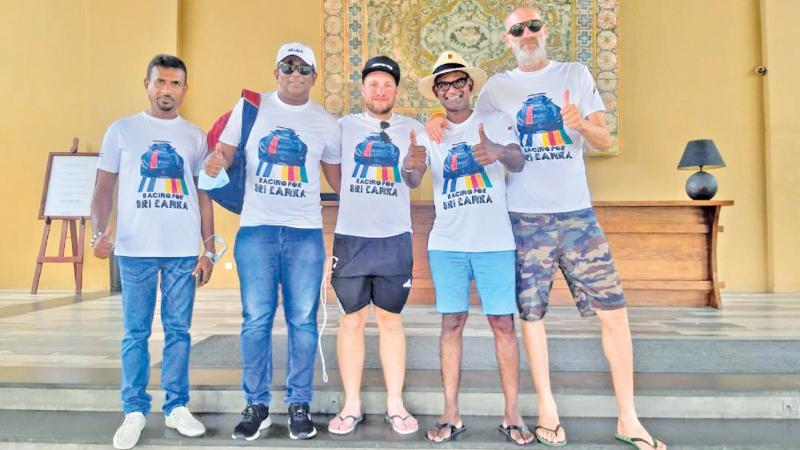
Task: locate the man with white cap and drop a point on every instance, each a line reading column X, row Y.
column 280, row 237
column 471, row 236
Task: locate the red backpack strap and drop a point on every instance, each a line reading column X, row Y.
column 252, row 97
column 216, row 130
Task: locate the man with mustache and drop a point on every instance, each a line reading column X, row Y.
column 279, row 243
column 557, row 107
column 161, row 216
column 372, row 244
column 471, row 236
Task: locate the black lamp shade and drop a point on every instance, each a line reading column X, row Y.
column 701, row 153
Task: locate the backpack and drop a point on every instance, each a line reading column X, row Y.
column 231, row 196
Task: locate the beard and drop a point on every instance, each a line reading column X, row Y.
column 526, row 56
column 386, row 109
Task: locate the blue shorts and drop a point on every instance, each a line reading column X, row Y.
column 494, row 274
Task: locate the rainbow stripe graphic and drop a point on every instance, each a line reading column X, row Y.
column 383, row 173
column 287, row 173
column 473, row 181
column 554, row 137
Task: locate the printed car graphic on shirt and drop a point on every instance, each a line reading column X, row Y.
column 161, row 161
column 539, row 116
column 376, row 152
column 458, row 163
column 283, row 147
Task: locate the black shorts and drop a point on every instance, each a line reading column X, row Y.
column 376, row 270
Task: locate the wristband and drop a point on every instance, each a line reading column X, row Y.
column 210, row 255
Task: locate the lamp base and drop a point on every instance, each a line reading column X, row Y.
column 701, row 186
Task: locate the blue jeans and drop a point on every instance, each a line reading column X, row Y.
column 139, row 278
column 292, row 257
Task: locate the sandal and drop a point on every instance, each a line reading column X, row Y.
column 554, row 431
column 356, row 421
column 521, row 429
column 438, row 427
column 391, row 419
column 633, row 441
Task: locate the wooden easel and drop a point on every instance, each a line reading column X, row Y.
column 77, row 231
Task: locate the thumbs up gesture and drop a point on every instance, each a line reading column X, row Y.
column 570, row 114
column 216, row 162
column 417, row 155
column 485, row 151
column 103, row 247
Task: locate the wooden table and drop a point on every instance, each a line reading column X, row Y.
column 665, row 251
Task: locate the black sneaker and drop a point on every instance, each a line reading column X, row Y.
column 254, row 419
column 300, row 424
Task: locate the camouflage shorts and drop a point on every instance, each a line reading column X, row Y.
column 574, row 242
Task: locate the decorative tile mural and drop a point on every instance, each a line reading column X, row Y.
column 414, row 32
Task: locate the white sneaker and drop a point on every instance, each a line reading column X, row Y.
column 128, row 433
column 182, row 420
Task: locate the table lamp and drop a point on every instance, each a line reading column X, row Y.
column 701, row 153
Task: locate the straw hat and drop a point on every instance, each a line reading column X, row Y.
column 450, row 61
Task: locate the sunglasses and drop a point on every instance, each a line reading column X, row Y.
column 444, row 86
column 302, row 69
column 384, row 135
column 534, row 26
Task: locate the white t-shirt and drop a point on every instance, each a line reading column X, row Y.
column 554, row 178
column 157, row 160
column 470, row 200
column 283, row 153
column 374, row 201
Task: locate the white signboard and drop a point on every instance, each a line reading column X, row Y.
column 70, row 185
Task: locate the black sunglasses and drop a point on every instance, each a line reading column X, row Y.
column 534, row 25
column 444, row 86
column 302, row 69
column 384, row 126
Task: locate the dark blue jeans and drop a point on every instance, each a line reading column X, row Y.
column 268, row 256
column 139, row 278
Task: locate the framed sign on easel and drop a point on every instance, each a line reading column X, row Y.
column 66, row 196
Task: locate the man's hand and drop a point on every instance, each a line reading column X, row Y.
column 437, row 123
column 103, row 247
column 570, row 114
column 203, row 269
column 416, row 157
column 485, row 152
column 216, row 162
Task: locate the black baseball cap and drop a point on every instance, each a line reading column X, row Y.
column 381, row 64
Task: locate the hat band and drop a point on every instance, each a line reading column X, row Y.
column 448, row 66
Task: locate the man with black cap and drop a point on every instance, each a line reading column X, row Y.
column 372, row 244
column 280, row 236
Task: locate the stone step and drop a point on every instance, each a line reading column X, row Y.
column 579, row 394
column 580, row 353
column 24, row 430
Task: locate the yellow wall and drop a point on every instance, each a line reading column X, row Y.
column 686, row 73
column 69, row 68
column 782, row 142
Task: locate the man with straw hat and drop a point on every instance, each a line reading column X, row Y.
column 471, row 236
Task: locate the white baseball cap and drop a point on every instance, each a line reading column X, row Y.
column 302, row 51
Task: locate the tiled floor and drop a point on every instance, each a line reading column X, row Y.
column 58, row 329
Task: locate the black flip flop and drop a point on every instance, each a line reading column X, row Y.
column 507, row 429
column 554, row 431
column 454, row 431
